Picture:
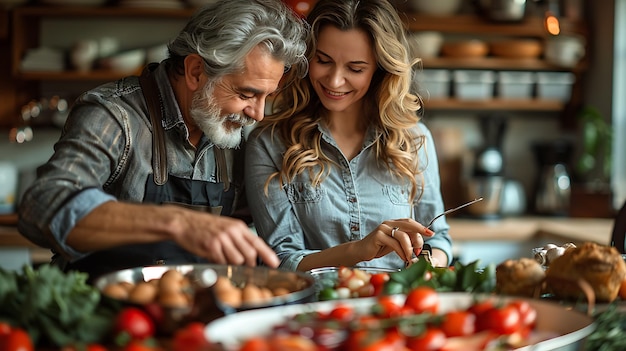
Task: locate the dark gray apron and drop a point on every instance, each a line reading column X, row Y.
column 163, row 188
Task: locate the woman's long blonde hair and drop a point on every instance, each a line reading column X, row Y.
column 392, row 93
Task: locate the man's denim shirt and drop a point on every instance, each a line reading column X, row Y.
column 105, row 154
column 354, row 198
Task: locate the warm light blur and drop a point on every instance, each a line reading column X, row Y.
column 301, row 7
column 552, row 24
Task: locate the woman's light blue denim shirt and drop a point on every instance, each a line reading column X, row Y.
column 352, row 201
column 105, row 154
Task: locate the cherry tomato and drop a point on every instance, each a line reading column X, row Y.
column 16, row 340
column 386, row 307
column 479, row 309
column 458, row 323
column 481, row 306
column 423, row 299
column 528, row 315
column 341, row 313
column 432, row 339
column 503, row 320
column 378, row 281
column 255, row 344
column 375, row 340
column 139, row 345
column 135, row 322
column 190, row 338
column 88, row 347
column 5, row 329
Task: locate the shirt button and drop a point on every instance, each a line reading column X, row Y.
column 352, row 199
column 354, row 228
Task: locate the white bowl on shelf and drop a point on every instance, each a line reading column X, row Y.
column 426, row 43
column 435, row 7
column 125, row 62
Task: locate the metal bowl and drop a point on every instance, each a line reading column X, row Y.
column 205, row 305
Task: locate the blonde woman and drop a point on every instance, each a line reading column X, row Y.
column 344, row 172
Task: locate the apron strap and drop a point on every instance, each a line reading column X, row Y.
column 159, row 154
column 222, row 167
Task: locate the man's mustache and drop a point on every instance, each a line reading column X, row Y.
column 241, row 119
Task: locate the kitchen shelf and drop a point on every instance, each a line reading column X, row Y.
column 471, row 24
column 104, row 11
column 26, row 32
column 94, row 75
column 495, row 63
column 496, row 104
column 27, row 27
column 478, row 27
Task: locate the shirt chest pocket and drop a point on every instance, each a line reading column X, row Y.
column 299, row 193
column 397, row 194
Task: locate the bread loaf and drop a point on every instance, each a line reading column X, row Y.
column 601, row 266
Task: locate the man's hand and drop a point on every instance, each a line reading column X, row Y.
column 223, row 240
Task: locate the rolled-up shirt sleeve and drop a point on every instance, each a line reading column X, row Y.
column 71, row 184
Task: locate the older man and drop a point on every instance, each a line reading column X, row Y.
column 148, row 169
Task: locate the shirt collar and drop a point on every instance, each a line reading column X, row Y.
column 172, row 116
column 371, row 135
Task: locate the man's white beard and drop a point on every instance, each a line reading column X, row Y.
column 207, row 115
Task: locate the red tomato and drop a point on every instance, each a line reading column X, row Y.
column 190, row 338
column 96, row 347
column 255, row 344
column 139, row 345
column 386, row 307
column 135, row 322
column 503, row 320
column 342, row 313
column 458, row 323
column 423, row 299
column 16, row 340
column 89, row 347
column 378, row 281
column 527, row 314
column 5, row 329
column 479, row 309
column 375, row 340
column 432, row 339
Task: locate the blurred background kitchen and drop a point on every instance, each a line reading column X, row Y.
column 522, row 97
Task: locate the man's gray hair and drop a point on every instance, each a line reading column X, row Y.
column 224, row 32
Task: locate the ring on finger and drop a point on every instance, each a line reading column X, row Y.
column 393, row 231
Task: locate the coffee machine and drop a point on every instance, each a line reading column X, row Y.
column 487, row 180
column 553, row 183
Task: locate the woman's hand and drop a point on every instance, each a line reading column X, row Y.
column 404, row 236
